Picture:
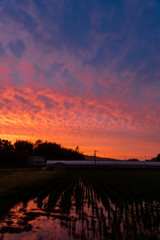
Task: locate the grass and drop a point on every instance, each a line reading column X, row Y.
column 10, row 178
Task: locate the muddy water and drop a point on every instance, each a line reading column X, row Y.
column 87, row 218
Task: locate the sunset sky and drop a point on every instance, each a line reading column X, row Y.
column 82, row 73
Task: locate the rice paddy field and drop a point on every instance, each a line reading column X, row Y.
column 87, row 205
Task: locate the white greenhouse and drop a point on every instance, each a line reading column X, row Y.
column 84, row 164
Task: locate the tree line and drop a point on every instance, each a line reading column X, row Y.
column 41, row 148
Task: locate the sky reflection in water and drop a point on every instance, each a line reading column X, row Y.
column 87, row 220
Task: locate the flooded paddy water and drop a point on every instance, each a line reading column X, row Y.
column 86, row 206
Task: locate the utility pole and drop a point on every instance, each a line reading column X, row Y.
column 95, row 156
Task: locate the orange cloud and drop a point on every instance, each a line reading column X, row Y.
column 28, row 113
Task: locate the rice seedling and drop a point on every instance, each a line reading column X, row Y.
column 96, row 204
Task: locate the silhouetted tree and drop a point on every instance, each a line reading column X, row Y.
column 57, row 150
column 47, row 148
column 37, row 143
column 25, row 146
column 158, row 157
column 41, row 148
column 6, row 145
column 77, row 149
column 1, row 144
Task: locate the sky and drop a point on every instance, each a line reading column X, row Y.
column 82, row 73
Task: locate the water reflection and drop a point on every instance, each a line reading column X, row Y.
column 81, row 211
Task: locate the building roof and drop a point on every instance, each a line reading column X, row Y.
column 106, row 163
